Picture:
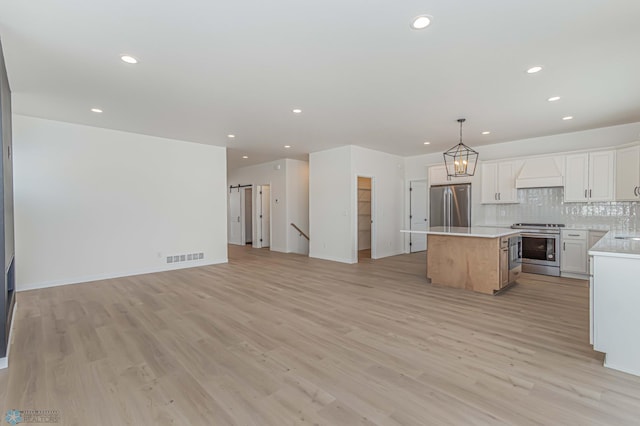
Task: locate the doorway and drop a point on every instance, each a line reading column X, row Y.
column 235, row 216
column 418, row 215
column 364, row 238
column 247, row 215
column 263, row 217
column 240, row 210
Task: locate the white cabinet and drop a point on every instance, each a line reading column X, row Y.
column 628, row 174
column 589, row 176
column 602, row 175
column 438, row 176
column 576, row 177
column 574, row 260
column 574, row 252
column 499, row 183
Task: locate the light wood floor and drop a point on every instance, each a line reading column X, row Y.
column 276, row 339
column 364, row 255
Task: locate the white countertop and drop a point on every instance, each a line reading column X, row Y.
column 588, row 227
column 474, row 231
column 609, row 245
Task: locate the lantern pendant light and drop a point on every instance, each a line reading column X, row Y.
column 460, row 160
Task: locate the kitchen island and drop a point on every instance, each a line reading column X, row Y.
column 615, row 297
column 471, row 258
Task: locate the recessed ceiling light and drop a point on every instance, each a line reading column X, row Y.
column 297, row 111
column 427, row 143
column 129, row 59
column 98, row 110
column 486, row 133
column 568, row 117
column 421, row 22
column 554, row 98
column 287, row 146
column 245, row 157
column 534, row 70
column 231, row 136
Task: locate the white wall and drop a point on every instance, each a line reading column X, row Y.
column 333, row 202
column 387, row 205
column 94, row 203
column 297, row 205
column 330, row 205
column 272, row 174
column 288, row 180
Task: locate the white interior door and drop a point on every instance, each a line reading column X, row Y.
column 418, row 215
column 264, row 216
column 235, row 216
column 247, row 211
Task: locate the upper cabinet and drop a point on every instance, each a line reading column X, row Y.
column 589, row 176
column 438, row 176
column 499, row 182
column 628, row 174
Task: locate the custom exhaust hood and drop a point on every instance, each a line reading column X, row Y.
column 541, row 172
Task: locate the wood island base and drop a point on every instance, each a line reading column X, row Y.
column 464, row 262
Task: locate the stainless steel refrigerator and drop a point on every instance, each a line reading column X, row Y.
column 450, row 205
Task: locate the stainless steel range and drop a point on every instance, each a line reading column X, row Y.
column 540, row 247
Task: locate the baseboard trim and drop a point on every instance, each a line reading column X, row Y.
column 4, row 362
column 623, row 369
column 100, row 277
column 574, row 276
column 389, row 254
column 334, row 259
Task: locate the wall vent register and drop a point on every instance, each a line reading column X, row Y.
column 185, row 257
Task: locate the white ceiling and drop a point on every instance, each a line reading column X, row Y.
column 355, row 68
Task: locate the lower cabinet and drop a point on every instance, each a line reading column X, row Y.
column 504, row 262
column 574, row 252
column 574, row 260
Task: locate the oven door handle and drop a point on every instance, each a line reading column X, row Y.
column 540, row 235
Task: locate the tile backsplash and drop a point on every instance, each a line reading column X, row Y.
column 546, row 205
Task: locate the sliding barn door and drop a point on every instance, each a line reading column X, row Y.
column 235, row 217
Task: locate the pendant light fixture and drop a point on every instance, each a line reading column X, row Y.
column 460, row 160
